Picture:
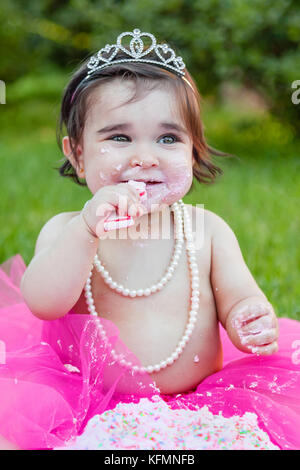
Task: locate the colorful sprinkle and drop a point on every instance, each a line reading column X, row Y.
column 155, row 426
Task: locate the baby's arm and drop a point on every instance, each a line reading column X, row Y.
column 242, row 307
column 54, row 279
column 66, row 248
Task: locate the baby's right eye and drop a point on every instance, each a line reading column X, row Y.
column 118, row 136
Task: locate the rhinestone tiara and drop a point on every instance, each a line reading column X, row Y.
column 165, row 56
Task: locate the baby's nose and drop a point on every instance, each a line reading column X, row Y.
column 144, row 162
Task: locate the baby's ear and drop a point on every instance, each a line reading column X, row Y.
column 76, row 161
column 193, row 156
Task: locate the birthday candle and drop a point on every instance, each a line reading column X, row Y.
column 118, row 222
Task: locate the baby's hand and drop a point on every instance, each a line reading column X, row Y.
column 112, row 207
column 257, row 328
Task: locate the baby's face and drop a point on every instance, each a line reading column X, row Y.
column 143, row 140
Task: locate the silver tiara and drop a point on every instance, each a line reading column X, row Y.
column 165, row 56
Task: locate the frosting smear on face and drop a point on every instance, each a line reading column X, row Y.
column 142, row 141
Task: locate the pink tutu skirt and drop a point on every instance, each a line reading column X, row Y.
column 57, row 375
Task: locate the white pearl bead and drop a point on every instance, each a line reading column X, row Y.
column 140, row 292
column 147, row 292
column 186, row 337
column 163, row 364
column 133, row 293
column 189, row 329
column 170, row 360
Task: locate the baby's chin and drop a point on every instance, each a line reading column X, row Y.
column 174, row 194
column 160, row 204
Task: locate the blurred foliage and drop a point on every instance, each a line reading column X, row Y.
column 255, row 43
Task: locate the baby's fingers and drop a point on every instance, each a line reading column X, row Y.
column 260, row 339
column 249, row 313
column 259, row 325
column 136, row 210
column 265, row 350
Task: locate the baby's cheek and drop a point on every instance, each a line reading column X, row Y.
column 178, row 182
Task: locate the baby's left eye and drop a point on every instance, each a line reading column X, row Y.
column 171, row 138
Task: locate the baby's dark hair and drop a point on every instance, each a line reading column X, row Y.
column 146, row 76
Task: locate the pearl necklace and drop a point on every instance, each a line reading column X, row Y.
column 169, row 272
column 182, row 224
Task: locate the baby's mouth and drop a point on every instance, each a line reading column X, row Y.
column 152, row 188
column 146, row 182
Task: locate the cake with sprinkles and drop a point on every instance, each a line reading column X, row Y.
column 153, row 425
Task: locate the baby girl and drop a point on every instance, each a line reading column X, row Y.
column 135, row 138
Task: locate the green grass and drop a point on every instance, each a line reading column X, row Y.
column 257, row 195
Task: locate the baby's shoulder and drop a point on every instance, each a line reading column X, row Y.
column 51, row 229
column 212, row 223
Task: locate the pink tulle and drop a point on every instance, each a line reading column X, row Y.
column 56, row 375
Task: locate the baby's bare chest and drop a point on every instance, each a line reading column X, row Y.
column 152, row 326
